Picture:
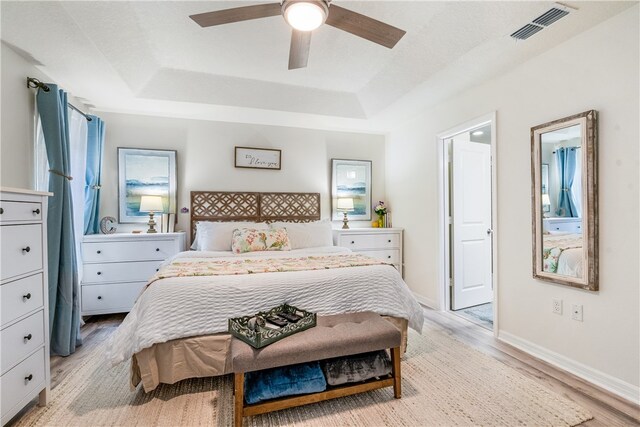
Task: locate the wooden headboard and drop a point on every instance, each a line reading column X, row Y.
column 225, row 206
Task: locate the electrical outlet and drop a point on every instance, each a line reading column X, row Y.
column 557, row 306
column 576, row 312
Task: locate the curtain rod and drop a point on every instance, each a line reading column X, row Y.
column 34, row 83
column 576, row 147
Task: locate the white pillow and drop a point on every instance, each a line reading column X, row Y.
column 217, row 236
column 307, row 235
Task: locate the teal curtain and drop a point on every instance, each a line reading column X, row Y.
column 64, row 304
column 566, row 163
column 95, row 147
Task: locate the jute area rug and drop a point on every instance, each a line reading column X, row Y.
column 445, row 383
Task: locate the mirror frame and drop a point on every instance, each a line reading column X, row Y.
column 589, row 135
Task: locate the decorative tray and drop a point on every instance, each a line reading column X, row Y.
column 268, row 334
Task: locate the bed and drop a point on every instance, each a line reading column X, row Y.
column 563, row 254
column 177, row 328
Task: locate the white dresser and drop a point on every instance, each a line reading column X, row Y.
column 381, row 243
column 563, row 224
column 117, row 266
column 24, row 300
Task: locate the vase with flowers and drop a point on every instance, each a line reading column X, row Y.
column 381, row 210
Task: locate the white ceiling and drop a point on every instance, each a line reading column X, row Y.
column 148, row 57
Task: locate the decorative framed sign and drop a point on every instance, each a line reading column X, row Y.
column 351, row 179
column 258, row 158
column 144, row 172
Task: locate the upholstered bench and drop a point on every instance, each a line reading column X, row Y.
column 334, row 336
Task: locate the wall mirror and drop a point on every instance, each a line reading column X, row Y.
column 564, row 199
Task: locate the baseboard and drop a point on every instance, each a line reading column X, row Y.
column 614, row 385
column 426, row 301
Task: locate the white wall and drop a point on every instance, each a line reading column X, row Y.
column 17, row 109
column 597, row 69
column 206, row 157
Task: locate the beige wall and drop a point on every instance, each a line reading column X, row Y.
column 206, row 157
column 598, row 70
column 17, row 110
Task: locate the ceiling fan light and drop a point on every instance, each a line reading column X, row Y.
column 305, row 16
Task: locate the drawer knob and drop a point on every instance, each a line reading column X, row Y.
column 27, row 249
column 99, row 273
column 1, row 211
column 27, row 296
column 98, row 252
column 157, row 269
column 36, row 211
column 352, row 242
column 29, row 378
column 157, row 249
column 28, row 337
column 389, row 240
column 99, row 297
column 389, row 256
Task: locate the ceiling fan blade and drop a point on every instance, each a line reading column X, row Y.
column 237, row 14
column 363, row 26
column 299, row 51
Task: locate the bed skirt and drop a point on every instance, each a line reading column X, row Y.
column 196, row 357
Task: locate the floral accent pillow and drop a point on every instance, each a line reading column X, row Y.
column 252, row 240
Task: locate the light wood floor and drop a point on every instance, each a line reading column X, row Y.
column 608, row 410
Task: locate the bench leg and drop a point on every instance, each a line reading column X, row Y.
column 395, row 370
column 238, row 407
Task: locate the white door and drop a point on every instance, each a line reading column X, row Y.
column 471, row 209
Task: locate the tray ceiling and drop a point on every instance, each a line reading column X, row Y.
column 149, row 57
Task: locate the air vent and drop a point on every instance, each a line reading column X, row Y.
column 550, row 16
column 541, row 22
column 526, row 32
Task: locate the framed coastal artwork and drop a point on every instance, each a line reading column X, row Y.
column 351, row 179
column 144, row 172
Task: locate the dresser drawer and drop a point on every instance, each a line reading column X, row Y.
column 21, row 338
column 22, row 381
column 20, row 211
column 112, row 298
column 391, row 256
column 370, row 241
column 138, row 271
column 127, row 251
column 19, row 297
column 21, row 249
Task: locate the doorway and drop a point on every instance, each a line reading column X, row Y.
column 467, row 166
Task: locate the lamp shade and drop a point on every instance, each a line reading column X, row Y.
column 151, row 204
column 345, row 204
column 546, row 200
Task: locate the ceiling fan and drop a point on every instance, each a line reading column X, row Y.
column 304, row 16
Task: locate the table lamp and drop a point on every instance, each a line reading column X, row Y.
column 151, row 204
column 345, row 205
column 546, row 203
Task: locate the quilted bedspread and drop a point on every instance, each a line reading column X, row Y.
column 179, row 307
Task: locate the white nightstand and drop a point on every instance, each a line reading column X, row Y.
column 381, row 243
column 117, row 266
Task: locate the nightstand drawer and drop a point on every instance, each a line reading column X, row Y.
column 139, row 271
column 22, row 381
column 391, row 256
column 370, row 241
column 110, row 298
column 19, row 297
column 21, row 249
column 21, row 338
column 20, row 211
column 128, row 251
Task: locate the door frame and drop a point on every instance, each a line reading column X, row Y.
column 444, row 299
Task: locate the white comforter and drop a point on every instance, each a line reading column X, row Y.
column 191, row 306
